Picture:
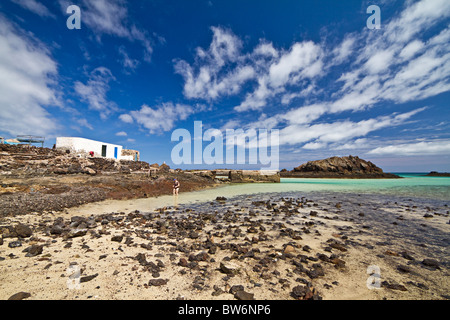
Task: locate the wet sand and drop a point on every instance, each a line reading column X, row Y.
column 269, row 246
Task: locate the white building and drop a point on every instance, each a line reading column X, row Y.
column 100, row 149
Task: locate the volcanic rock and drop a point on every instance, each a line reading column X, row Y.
column 229, row 268
column 20, row 296
column 304, row 293
column 394, row 286
column 74, row 233
column 433, row 264
column 23, row 231
column 117, row 238
column 88, row 278
column 243, row 295
column 404, row 269
column 34, row 250
column 157, row 282
column 14, row 244
column 338, row 167
column 236, row 288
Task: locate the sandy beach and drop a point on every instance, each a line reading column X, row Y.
column 266, row 246
column 225, row 150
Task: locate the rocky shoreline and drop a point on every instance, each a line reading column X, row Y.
column 270, row 246
column 24, row 195
column 350, row 167
column 438, row 174
column 36, row 180
column 267, row 246
column 336, row 175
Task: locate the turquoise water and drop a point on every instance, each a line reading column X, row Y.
column 415, row 185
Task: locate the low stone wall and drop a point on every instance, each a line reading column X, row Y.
column 242, row 176
column 245, row 176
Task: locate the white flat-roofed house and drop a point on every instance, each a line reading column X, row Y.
column 86, row 146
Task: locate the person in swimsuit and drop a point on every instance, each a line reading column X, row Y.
column 176, row 186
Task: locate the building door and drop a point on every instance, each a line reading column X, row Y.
column 103, row 150
column 115, row 152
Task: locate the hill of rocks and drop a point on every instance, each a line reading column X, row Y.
column 34, row 161
column 338, row 167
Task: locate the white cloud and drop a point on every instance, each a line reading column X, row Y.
column 27, row 83
column 407, row 60
column 84, row 123
column 204, row 79
column 411, row 49
column 379, row 62
column 416, row 18
column 321, row 135
column 351, row 145
column 224, row 47
column 128, row 63
column 395, row 64
column 257, row 99
column 342, row 52
column 315, row 145
column 111, row 17
column 303, row 60
column 265, row 49
column 107, row 17
column 94, row 92
column 121, row 134
column 223, row 69
column 35, row 7
column 415, row 149
column 126, row 118
column 387, row 65
column 231, row 124
column 306, row 114
column 310, row 90
column 231, row 84
column 161, row 118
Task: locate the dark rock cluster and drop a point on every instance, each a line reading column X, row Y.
column 235, row 248
column 338, row 167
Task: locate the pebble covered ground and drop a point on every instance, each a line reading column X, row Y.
column 266, row 246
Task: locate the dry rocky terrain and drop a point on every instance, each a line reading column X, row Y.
column 257, row 247
column 40, row 179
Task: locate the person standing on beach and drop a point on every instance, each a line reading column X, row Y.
column 176, row 186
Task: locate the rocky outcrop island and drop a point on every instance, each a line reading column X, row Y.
column 351, row 167
column 438, row 174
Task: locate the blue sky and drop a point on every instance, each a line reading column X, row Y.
column 138, row 70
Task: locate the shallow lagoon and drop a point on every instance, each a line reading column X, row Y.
column 414, row 186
